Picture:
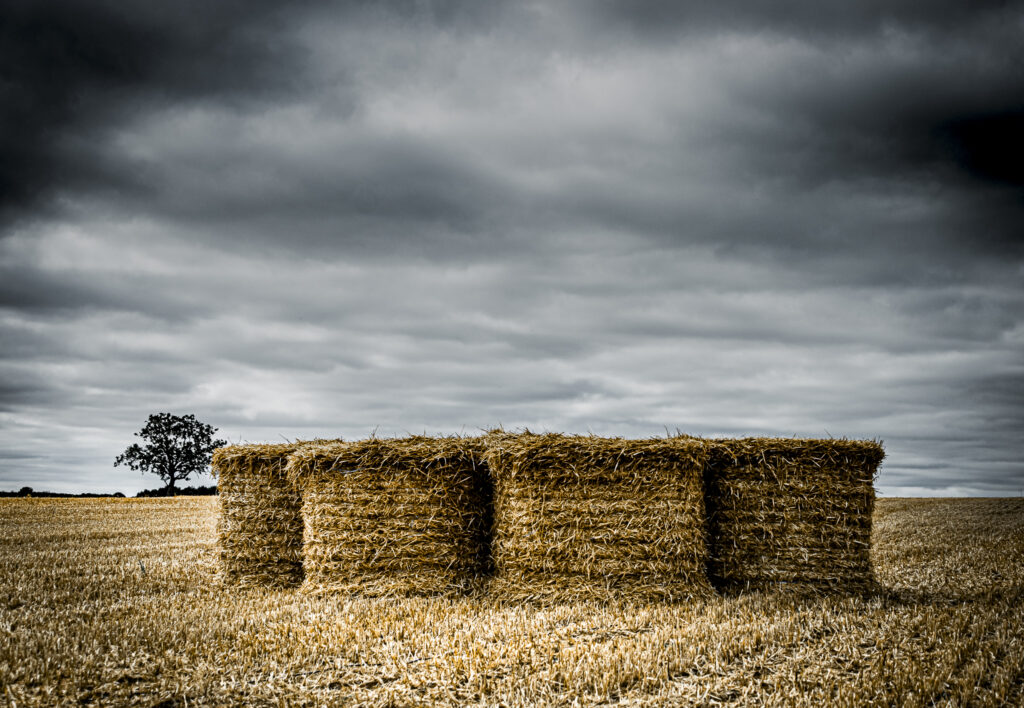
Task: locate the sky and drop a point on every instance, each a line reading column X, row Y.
column 321, row 219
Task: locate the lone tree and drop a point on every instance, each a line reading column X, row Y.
column 177, row 447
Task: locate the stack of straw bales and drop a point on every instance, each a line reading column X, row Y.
column 552, row 517
column 394, row 517
column 791, row 511
column 597, row 518
column 260, row 523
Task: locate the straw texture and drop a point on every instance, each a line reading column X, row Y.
column 259, row 528
column 582, row 517
column 395, row 517
column 791, row 511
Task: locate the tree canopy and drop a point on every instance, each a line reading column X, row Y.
column 177, row 447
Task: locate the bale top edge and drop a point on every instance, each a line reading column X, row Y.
column 255, row 450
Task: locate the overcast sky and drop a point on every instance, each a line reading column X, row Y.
column 299, row 219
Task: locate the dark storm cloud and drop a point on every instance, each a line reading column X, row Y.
column 65, row 293
column 795, row 17
column 73, row 68
column 912, row 108
column 328, row 218
column 396, row 181
column 899, row 91
column 943, row 112
column 989, row 145
column 21, row 388
column 34, row 291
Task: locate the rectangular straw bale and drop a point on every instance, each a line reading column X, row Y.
column 582, row 517
column 395, row 517
column 259, row 527
column 791, row 511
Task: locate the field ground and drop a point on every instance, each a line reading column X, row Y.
column 109, row 602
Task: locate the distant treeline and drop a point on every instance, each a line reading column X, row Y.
column 29, row 492
column 162, row 492
column 182, row 492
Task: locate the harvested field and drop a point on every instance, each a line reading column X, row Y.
column 791, row 511
column 119, row 602
column 394, row 517
column 582, row 517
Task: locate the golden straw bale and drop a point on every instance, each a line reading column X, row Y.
column 395, row 517
column 583, row 517
column 791, row 512
column 259, row 527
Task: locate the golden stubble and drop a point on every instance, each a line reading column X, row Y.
column 119, row 601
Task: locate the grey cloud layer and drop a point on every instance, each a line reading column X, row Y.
column 318, row 219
